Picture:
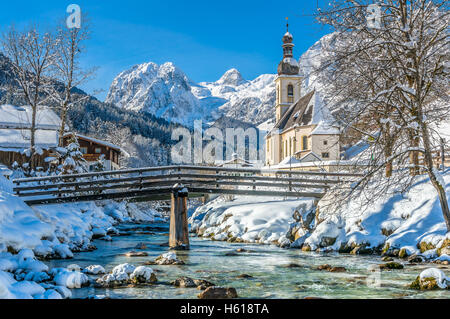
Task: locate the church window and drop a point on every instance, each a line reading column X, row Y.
column 290, row 92
column 325, row 142
column 304, row 143
column 325, row 155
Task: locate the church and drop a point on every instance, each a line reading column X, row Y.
column 305, row 133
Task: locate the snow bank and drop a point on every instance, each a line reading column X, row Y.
column 246, row 219
column 396, row 222
column 55, row 231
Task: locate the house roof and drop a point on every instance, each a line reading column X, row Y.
column 15, row 125
column 100, row 142
column 19, row 117
column 12, row 140
column 309, row 110
column 297, row 114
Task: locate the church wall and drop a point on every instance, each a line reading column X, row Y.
column 332, row 147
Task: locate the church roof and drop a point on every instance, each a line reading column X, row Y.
column 297, row 114
column 309, row 110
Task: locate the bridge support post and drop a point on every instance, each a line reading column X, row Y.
column 179, row 232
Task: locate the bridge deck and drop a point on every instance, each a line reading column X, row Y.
column 156, row 183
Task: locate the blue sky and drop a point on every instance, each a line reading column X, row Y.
column 203, row 38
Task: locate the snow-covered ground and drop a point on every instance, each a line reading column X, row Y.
column 412, row 222
column 53, row 231
column 248, row 219
column 393, row 222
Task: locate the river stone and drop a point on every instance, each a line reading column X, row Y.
column 218, row 293
column 361, row 250
column 387, row 259
column 203, row 284
column 292, row 265
column 424, row 284
column 136, row 254
column 306, row 248
column 331, row 269
column 416, row 259
column 327, row 241
column 184, row 282
column 244, row 276
column 444, row 251
column 391, row 265
column 141, row 246
column 166, row 259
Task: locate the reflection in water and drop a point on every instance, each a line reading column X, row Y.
column 275, row 272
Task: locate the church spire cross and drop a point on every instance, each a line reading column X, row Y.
column 287, row 24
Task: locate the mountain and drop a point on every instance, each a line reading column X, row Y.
column 145, row 137
column 165, row 91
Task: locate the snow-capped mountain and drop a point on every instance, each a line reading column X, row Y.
column 248, row 101
column 167, row 92
column 163, row 90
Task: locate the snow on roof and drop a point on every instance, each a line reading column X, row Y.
column 20, row 117
column 101, row 142
column 321, row 113
column 289, row 160
column 14, row 139
column 324, row 128
column 291, row 61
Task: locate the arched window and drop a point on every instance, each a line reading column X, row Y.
column 304, row 143
column 290, row 93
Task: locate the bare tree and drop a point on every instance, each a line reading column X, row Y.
column 390, row 80
column 69, row 46
column 31, row 54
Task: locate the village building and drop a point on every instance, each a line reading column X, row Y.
column 15, row 139
column 305, row 132
column 94, row 149
column 15, row 134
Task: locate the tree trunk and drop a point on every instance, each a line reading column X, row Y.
column 432, row 174
column 414, row 155
column 63, row 126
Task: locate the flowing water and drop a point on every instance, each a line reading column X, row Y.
column 272, row 277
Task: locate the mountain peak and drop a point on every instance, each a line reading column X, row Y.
column 232, row 77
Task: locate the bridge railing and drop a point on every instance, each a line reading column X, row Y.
column 158, row 181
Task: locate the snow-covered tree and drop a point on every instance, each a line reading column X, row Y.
column 66, row 69
column 31, row 55
column 387, row 67
column 70, row 157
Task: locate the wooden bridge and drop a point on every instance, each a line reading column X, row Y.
column 177, row 183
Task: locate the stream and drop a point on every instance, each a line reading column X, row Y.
column 272, row 277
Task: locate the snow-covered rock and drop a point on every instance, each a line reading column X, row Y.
column 125, row 274
column 169, row 258
column 143, row 274
column 94, row 270
column 70, row 279
column 430, row 279
column 247, row 219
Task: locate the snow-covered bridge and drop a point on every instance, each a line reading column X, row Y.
column 176, row 183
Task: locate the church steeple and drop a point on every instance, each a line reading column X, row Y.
column 288, row 66
column 288, row 82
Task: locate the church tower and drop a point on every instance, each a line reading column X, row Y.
column 288, row 83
